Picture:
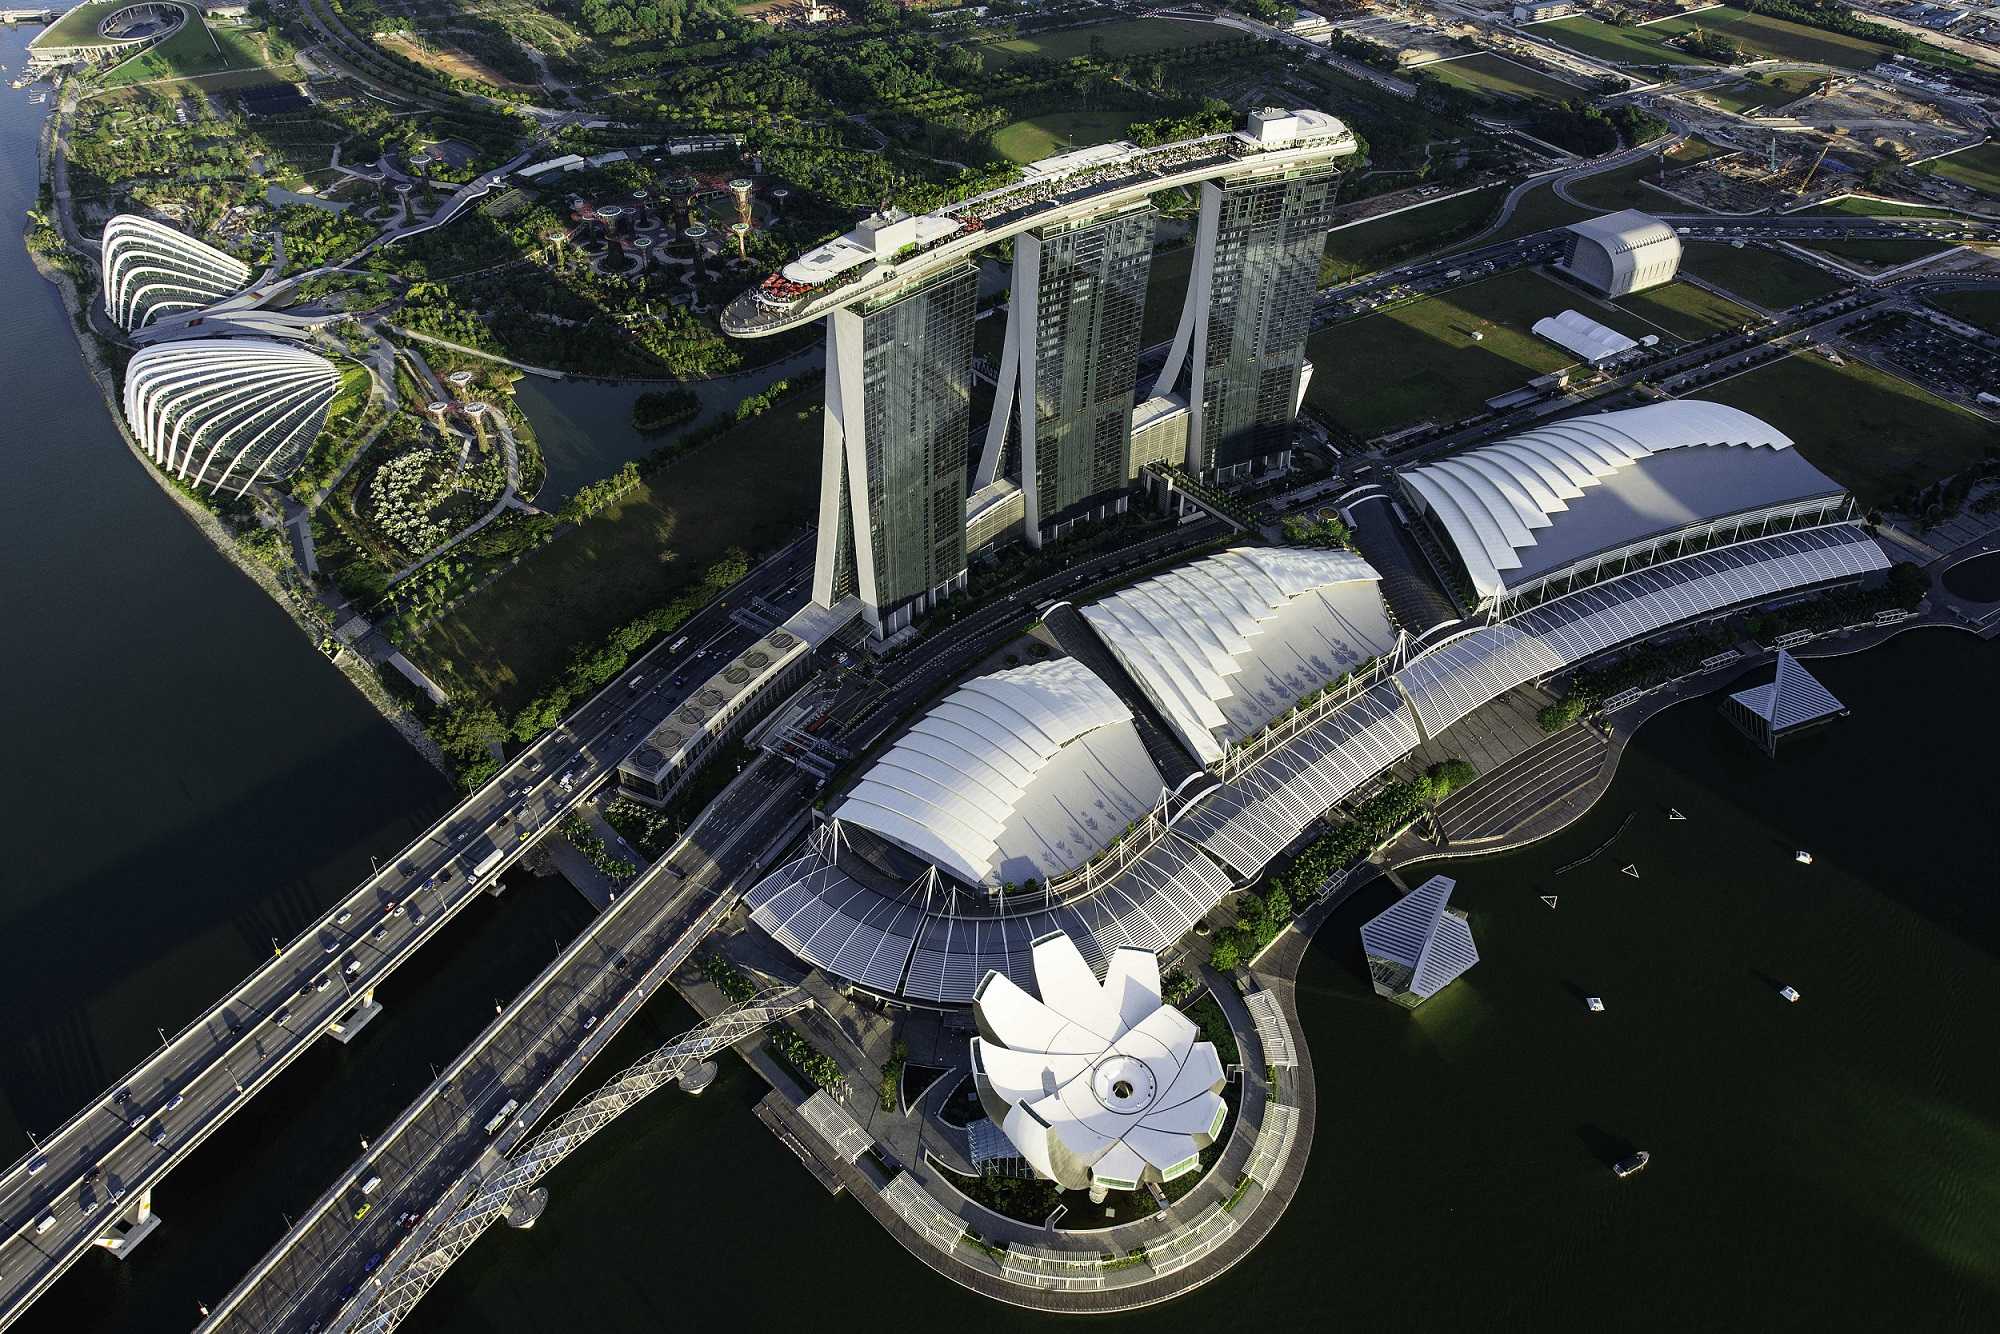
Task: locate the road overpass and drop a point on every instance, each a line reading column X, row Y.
column 91, row 1182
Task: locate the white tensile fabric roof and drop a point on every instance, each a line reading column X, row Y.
column 1418, row 933
column 1098, row 1082
column 1499, row 502
column 1225, row 644
column 1576, row 332
column 1022, row 770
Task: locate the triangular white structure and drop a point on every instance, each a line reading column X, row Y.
column 1793, row 700
column 1419, row 945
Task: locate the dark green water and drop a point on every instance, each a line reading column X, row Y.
column 1829, row 1165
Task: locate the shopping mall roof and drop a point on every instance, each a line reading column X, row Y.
column 1015, row 776
column 1225, row 644
column 1548, row 498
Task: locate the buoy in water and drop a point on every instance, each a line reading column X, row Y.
column 1549, row 899
column 1674, row 814
column 1632, row 871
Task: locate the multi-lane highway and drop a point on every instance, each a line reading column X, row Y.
column 90, row 1181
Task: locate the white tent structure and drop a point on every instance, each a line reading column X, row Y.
column 1580, row 335
column 1101, row 1086
column 1223, row 645
column 1419, row 945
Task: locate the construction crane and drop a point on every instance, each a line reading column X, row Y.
column 1812, row 169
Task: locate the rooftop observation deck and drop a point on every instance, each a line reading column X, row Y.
column 891, row 251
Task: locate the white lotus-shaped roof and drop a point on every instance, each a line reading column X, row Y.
column 151, row 270
column 949, row 785
column 1097, row 1084
column 1494, row 500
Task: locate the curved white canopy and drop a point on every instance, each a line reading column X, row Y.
column 150, row 270
column 228, row 409
column 1186, row 635
column 948, row 786
column 1492, row 501
column 1096, row 1083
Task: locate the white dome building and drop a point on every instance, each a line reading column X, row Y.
column 1621, row 253
column 228, row 411
column 151, row 270
column 1101, row 1086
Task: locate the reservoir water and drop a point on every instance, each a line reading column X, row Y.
column 188, row 778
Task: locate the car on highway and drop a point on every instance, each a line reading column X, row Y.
column 344, row 918
column 369, row 1265
column 36, row 1164
column 284, row 1013
column 174, row 1103
column 328, row 944
column 158, row 1136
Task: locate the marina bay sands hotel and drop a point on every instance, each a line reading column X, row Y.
column 902, row 500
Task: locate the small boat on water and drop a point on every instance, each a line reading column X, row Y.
column 1596, row 1004
column 1631, row 1164
column 1802, row 857
column 1790, row 993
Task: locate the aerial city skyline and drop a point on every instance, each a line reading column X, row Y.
column 1051, row 658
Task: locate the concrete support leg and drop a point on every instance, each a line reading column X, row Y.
column 366, row 1007
column 697, row 1080
column 527, row 1209
column 137, row 1223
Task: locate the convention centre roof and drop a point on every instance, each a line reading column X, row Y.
column 1096, row 1083
column 1546, row 499
column 1223, row 645
column 1015, row 776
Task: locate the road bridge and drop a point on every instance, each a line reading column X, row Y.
column 90, row 1183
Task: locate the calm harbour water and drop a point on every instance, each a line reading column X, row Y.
column 190, row 778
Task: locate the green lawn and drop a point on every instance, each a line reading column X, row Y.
column 1045, row 136
column 1631, row 46
column 1869, row 254
column 1538, row 210
column 751, row 488
column 1694, row 148
column 1770, row 90
column 1685, row 311
column 1491, row 75
column 1977, row 167
column 1132, row 37
column 196, row 50
column 1420, row 361
column 77, row 26
column 1623, row 187
column 1976, row 308
column 1368, row 246
column 1861, row 206
column 1762, row 277
column 1764, row 35
column 1873, row 433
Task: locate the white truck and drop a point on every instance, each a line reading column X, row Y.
column 488, row 865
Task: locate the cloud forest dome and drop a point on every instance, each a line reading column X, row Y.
column 1101, row 1086
column 1537, row 503
column 229, row 411
column 1017, row 775
column 151, row 270
column 1225, row 644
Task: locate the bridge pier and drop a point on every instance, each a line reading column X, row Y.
column 525, row 1210
column 698, row 1078
column 343, row 1029
column 137, row 1223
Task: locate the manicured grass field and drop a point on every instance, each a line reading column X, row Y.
column 1045, row 136
column 1863, row 207
column 1977, row 167
column 1977, row 308
column 1694, row 148
column 77, row 26
column 1133, row 37
column 1869, row 254
column 750, row 488
column 1631, row 46
column 1761, row 34
column 1771, row 90
column 1685, row 311
column 1420, row 361
column 1875, row 434
column 1762, row 277
column 1538, row 210
column 1496, row 76
column 1368, row 246
column 195, row 50
column 1623, row 187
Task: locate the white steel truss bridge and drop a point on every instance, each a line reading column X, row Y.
column 511, row 1191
